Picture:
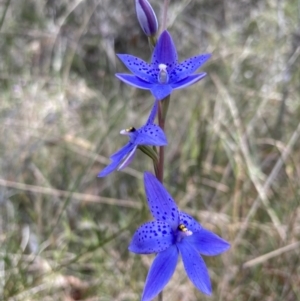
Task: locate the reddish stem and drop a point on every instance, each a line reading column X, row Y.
column 159, row 168
column 161, row 123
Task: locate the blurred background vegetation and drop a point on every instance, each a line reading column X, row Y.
column 233, row 161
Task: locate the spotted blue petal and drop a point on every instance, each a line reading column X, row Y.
column 161, row 271
column 188, row 67
column 188, row 81
column 195, row 267
column 152, row 237
column 139, row 67
column 134, row 81
column 189, row 222
column 161, row 204
column 165, row 52
column 151, row 134
column 208, row 243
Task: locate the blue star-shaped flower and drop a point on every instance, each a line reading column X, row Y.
column 149, row 134
column 164, row 74
column 173, row 232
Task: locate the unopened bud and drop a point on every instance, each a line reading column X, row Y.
column 146, row 17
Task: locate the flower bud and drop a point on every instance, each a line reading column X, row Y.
column 146, row 17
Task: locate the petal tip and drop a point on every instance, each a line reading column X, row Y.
column 207, row 55
column 207, row 292
column 130, row 248
column 227, row 245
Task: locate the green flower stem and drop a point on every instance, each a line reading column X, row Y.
column 155, row 163
column 152, row 41
column 150, row 152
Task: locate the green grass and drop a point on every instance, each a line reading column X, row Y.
column 232, row 159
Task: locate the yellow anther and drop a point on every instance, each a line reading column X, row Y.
column 182, row 228
column 131, row 129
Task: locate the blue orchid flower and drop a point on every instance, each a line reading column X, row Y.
column 164, row 74
column 149, row 134
column 173, row 232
